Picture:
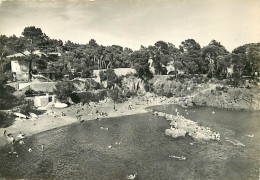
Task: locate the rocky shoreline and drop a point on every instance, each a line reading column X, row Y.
column 53, row 117
column 181, row 126
column 247, row 100
column 205, row 98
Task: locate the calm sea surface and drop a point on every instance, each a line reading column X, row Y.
column 137, row 144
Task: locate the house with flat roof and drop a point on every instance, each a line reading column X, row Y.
column 20, row 68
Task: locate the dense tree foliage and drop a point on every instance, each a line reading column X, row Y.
column 191, row 56
column 81, row 59
column 216, row 57
column 249, row 59
column 110, row 77
column 64, row 90
column 7, row 99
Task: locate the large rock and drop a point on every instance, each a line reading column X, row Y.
column 175, row 133
column 161, row 114
column 169, row 117
column 133, row 84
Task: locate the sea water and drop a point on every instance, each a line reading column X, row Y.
column 137, row 144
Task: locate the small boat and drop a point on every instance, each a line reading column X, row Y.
column 104, row 128
column 131, row 176
column 20, row 115
column 181, row 158
column 250, row 135
column 33, row 115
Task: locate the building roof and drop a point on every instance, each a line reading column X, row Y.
column 25, row 53
column 37, row 52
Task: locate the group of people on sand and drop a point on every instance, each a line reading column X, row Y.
column 199, row 129
column 20, row 139
column 10, row 137
column 101, row 113
column 206, row 133
column 130, row 107
column 175, row 126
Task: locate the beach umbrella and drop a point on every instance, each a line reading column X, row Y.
column 60, row 105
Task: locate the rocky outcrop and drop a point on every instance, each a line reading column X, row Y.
column 181, row 127
column 133, row 84
column 235, row 98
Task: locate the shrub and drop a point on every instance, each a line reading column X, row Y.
column 90, row 84
column 168, row 94
column 218, row 88
column 116, row 95
column 102, row 76
column 75, row 98
column 27, row 106
column 99, row 95
column 64, row 90
column 87, row 72
column 89, row 96
column 7, row 99
column 110, row 76
column 85, row 97
column 31, row 92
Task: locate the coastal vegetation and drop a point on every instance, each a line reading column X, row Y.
column 68, row 57
column 194, row 68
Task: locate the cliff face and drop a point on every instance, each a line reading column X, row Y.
column 133, row 85
column 234, row 98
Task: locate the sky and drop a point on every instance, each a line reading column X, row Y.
column 132, row 23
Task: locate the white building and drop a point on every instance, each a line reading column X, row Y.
column 20, row 70
column 41, row 101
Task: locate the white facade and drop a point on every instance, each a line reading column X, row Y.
column 20, row 70
column 41, row 101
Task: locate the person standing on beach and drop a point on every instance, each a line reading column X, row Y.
column 175, row 125
column 42, row 147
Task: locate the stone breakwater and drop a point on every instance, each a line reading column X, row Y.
column 180, row 127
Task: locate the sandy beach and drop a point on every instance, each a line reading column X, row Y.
column 52, row 118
